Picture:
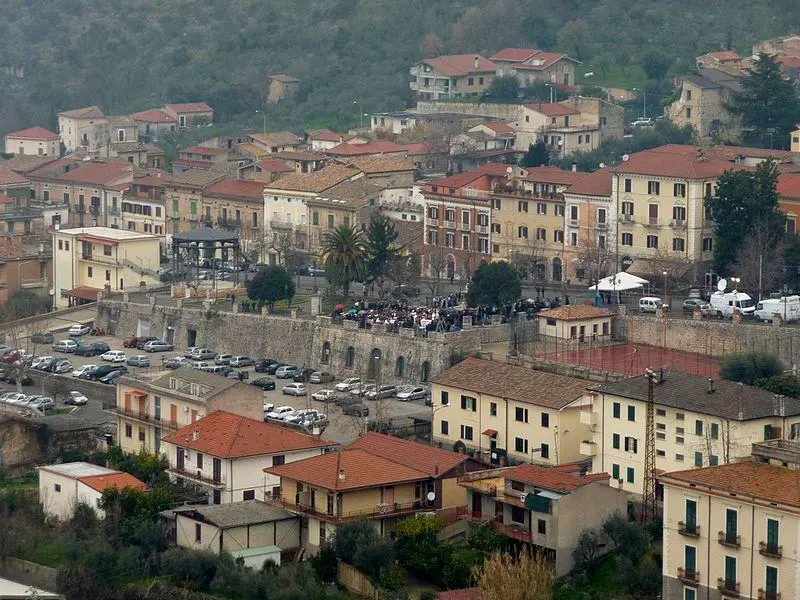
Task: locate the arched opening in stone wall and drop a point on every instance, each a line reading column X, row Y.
column 400, row 367
column 374, row 370
column 426, row 371
column 350, row 357
column 325, row 359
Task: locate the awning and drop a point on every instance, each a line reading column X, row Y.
column 619, row 283
column 96, row 240
column 138, row 393
column 490, row 432
column 85, row 293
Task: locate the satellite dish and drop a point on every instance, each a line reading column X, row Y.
column 509, row 170
column 560, row 142
column 626, row 157
column 602, row 165
column 431, row 496
column 722, row 284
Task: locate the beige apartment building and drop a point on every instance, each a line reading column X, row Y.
column 74, row 126
column 143, row 207
column 36, row 141
column 88, row 260
column 149, row 410
column 451, row 76
column 511, row 412
column 699, row 422
column 579, row 322
column 731, row 531
column 702, row 104
column 183, row 198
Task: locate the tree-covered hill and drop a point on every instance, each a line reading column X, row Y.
column 127, row 56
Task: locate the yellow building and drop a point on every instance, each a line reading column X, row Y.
column 183, row 199
column 699, row 422
column 348, row 203
column 148, row 411
column 795, row 141
column 731, row 531
column 88, row 260
column 74, row 126
column 506, row 411
column 576, row 322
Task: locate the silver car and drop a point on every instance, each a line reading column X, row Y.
column 412, row 392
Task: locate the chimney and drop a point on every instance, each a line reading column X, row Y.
column 574, row 167
column 710, row 385
column 196, row 435
column 436, row 469
column 341, row 475
column 476, row 63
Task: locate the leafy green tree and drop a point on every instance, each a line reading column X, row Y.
column 536, row 156
column 744, row 201
column 655, row 65
column 505, row 88
column 750, row 367
column 768, row 104
column 418, row 548
column 585, row 552
column 350, row 536
column 494, row 284
column 629, row 537
column 485, row 540
column 273, row 283
column 382, row 249
column 784, row 384
column 193, row 569
column 344, row 252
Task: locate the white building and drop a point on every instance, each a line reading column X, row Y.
column 35, row 141
column 62, row 487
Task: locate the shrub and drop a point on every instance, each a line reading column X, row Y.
column 750, row 367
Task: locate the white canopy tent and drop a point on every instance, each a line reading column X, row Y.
column 619, row 282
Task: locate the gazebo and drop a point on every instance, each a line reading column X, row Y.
column 204, row 243
column 613, row 285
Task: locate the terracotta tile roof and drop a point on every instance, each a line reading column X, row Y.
column 422, row 148
column 274, row 165
column 11, row 178
column 789, row 185
column 25, row 163
column 514, row 54
column 121, row 121
column 679, row 161
column 237, row 188
column 593, row 184
column 790, row 62
column 318, row 181
column 203, row 150
column 99, row 173
column 250, row 150
column 553, row 109
column 154, row 115
column 499, row 127
column 690, row 392
column 118, row 480
column 462, row 594
column 226, row 435
column 553, row 175
column 295, row 155
column 150, row 180
column 732, row 153
column 380, row 164
column 326, row 135
column 376, row 147
column 190, row 107
column 460, row 64
column 544, row 60
column 749, row 479
column 551, row 478
column 193, row 163
column 352, row 194
column 575, row 312
column 515, row 383
column 54, row 167
column 34, row 133
column 348, row 469
column 193, row 178
column 277, row 138
column 89, row 112
column 429, row 459
column 724, row 55
column 461, row 179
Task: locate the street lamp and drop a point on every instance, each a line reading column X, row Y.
column 264, row 114
column 666, row 294
column 736, row 281
column 360, row 112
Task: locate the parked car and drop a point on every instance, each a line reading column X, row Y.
column 157, row 346
column 43, row 403
column 203, row 354
column 93, row 349
column 78, row 329
column 201, row 365
column 42, row 337
column 286, row 372
column 62, row 366
column 280, row 412
column 412, row 392
column 384, row 391
column 691, row 303
column 223, row 359
column 38, row 360
column 347, row 384
column 271, row 370
column 240, row 361
column 84, row 371
column 240, row 375
column 224, row 370
column 294, row 389
column 303, row 375
column 257, row 266
column 264, row 383
column 76, row 398
column 190, row 350
column 47, row 364
column 346, row 400
column 140, row 360
column 363, row 388
column 113, row 356
column 324, row 395
column 321, row 377
column 111, row 378
column 12, row 397
column 103, row 370
column 303, row 414
column 356, row 410
column 263, row 364
column 268, row 407
column 62, row 346
column 650, row 304
column 137, row 341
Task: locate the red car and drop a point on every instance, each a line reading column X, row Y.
column 137, row 341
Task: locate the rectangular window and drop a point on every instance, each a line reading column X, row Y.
column 249, row 495
column 698, row 427
column 558, row 236
column 714, row 431
column 678, row 244
column 331, row 221
column 690, row 516
column 523, row 233
column 713, row 460
column 198, row 532
column 445, row 428
column 772, row 533
column 521, row 445
column 615, row 472
column 690, row 558
column 653, row 188
column 58, row 487
column 89, row 272
column 468, row 403
column 771, row 582
column 521, row 415
column 517, row 514
column 493, row 409
column 199, row 460
column 652, row 241
column 627, row 208
column 631, row 413
column 466, row 432
column 541, row 208
column 631, row 445
column 730, row 572
column 627, row 239
column 679, row 457
column 278, row 460
column 628, row 185
column 731, row 522
column 545, row 451
column 445, row 398
column 615, row 410
column 631, row 473
column 545, row 420
column 128, row 430
column 698, row 459
column 522, row 206
column 541, row 526
column 679, row 190
column 615, row 441
column 708, row 244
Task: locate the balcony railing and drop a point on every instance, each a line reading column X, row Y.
column 433, row 222
column 652, row 221
column 728, row 587
column 689, row 529
column 730, row 539
column 765, row 595
column 139, row 415
column 768, row 549
column 379, row 511
column 218, row 480
column 449, row 224
column 145, row 416
column 627, row 218
column 689, row 576
column 679, row 224
column 276, row 224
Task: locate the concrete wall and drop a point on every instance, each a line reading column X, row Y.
column 28, row 573
column 506, row 112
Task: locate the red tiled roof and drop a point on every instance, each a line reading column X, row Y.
column 593, row 184
column 675, row 160
column 553, row 109
column 85, row 292
column 792, row 62
column 239, row 188
column 749, row 479
column 98, row 173
column 789, row 185
column 550, row 478
column 376, row 147
column 462, row 179
column 499, row 127
column 55, row 166
column 273, row 165
column 326, row 135
column 522, row 57
column 154, row 115
column 118, row 480
column 34, row 133
column 732, row 153
column 553, row 175
column 575, row 312
column 348, row 469
column 514, row 54
column 6, row 199
column 190, row 162
column 428, row 459
column 11, row 178
column 461, row 64
column 203, row 150
column 88, row 112
column 225, row 435
column 419, row 148
column 190, row 107
column 150, row 180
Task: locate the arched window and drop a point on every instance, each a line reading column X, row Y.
column 400, row 367
column 426, row 370
column 557, row 274
column 374, row 370
column 350, row 358
column 326, row 353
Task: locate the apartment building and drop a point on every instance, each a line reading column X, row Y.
column 235, row 205
column 186, row 112
column 153, row 124
column 88, row 260
column 731, row 531
column 274, row 142
column 25, row 264
column 37, row 141
column 18, row 213
column 183, row 198
column 143, row 207
column 699, row 422
column 149, row 410
column 530, row 65
column 349, row 203
column 509, row 413
column 702, row 104
column 74, row 126
column 225, row 454
column 452, row 76
column 200, row 158
column 546, row 507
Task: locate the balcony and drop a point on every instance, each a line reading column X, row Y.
column 689, row 576
column 771, row 550
column 728, row 587
column 679, row 224
column 229, row 223
column 588, row 448
column 652, row 222
column 627, row 218
column 218, row 480
column 482, row 229
column 765, row 595
column 139, row 415
column 729, row 539
column 277, row 224
column 689, row 529
column 433, row 222
column 588, row 417
column 379, row 511
column 573, row 222
column 602, row 226
column 145, row 417
column 449, row 224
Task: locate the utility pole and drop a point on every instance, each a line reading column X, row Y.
column 649, row 491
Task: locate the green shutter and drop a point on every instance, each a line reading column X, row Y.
column 690, row 558
column 771, row 580
column 730, row 569
column 772, row 532
column 691, row 512
column 731, row 521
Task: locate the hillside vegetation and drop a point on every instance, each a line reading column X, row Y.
column 127, row 56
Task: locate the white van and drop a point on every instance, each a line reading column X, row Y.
column 650, row 304
column 724, row 303
column 787, row 306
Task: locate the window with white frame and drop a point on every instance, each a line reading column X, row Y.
column 627, row 239
column 522, row 232
column 541, row 234
column 652, row 241
column 678, row 244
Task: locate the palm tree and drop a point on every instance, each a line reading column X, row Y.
column 344, row 253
